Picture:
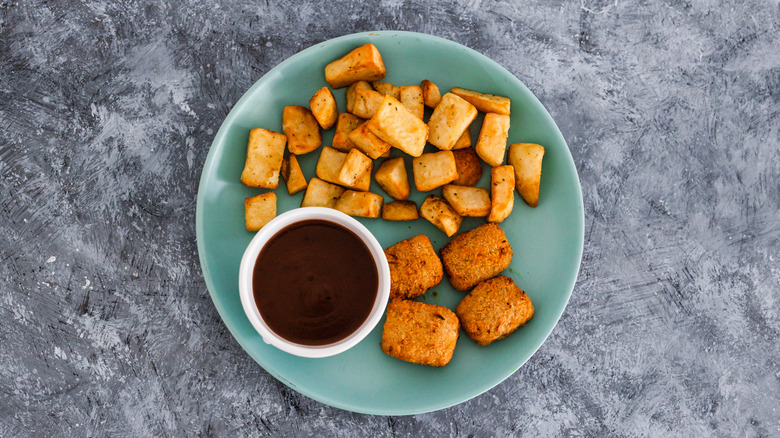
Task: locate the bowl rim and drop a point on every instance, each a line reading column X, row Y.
column 271, row 229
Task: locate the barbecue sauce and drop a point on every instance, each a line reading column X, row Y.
column 315, row 282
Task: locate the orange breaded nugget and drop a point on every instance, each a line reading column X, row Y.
column 474, row 256
column 494, row 310
column 414, row 267
column 420, row 333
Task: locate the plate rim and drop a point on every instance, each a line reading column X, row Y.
column 210, row 286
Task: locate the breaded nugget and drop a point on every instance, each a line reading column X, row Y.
column 414, row 267
column 420, row 333
column 476, row 255
column 494, row 310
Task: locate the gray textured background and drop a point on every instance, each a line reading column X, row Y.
column 672, row 113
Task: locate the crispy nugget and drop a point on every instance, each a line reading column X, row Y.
column 476, row 255
column 420, row 333
column 414, row 267
column 494, row 310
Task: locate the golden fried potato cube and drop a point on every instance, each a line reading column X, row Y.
column 293, row 175
column 321, row 194
column 412, row 99
column 467, row 201
column 361, row 204
column 329, row 164
column 475, row 256
column 494, row 310
column 526, row 158
column 438, row 212
column 487, row 103
column 450, row 118
column 431, row 94
column 420, row 333
column 464, row 141
column 345, row 124
column 394, row 124
column 259, row 210
column 323, row 107
column 363, row 184
column 355, row 166
column 264, row 154
column 400, row 211
column 367, row 142
column 362, row 64
column 433, row 170
column 414, row 267
column 502, row 193
column 387, row 89
column 366, row 103
column 350, row 93
column 329, row 167
column 491, row 144
column 468, row 166
column 393, row 179
column 301, row 129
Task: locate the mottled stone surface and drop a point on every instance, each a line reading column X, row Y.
column 672, row 113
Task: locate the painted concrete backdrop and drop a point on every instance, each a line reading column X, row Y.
column 671, row 111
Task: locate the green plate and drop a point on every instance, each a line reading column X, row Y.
column 547, row 240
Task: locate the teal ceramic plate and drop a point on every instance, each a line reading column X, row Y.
column 547, row 240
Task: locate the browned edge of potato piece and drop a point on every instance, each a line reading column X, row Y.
column 329, row 167
column 259, row 210
column 464, row 141
column 395, row 124
column 361, row 64
column 292, row 174
column 301, row 129
column 502, row 193
column 527, row 158
column 491, row 144
column 393, row 179
column 345, row 124
column 467, row 201
column 350, row 93
column 468, row 166
column 264, row 155
column 361, row 204
column 433, row 170
column 431, row 93
column 323, row 107
column 329, row 164
column 366, row 103
column 441, row 214
column 355, row 165
column 367, row 142
column 486, row 103
column 387, row 89
column 400, row 211
column 321, row 194
column 412, row 98
column 363, row 183
column 449, row 120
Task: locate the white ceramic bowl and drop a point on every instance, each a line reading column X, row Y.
column 247, row 268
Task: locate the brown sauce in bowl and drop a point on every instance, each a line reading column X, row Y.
column 315, row 282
